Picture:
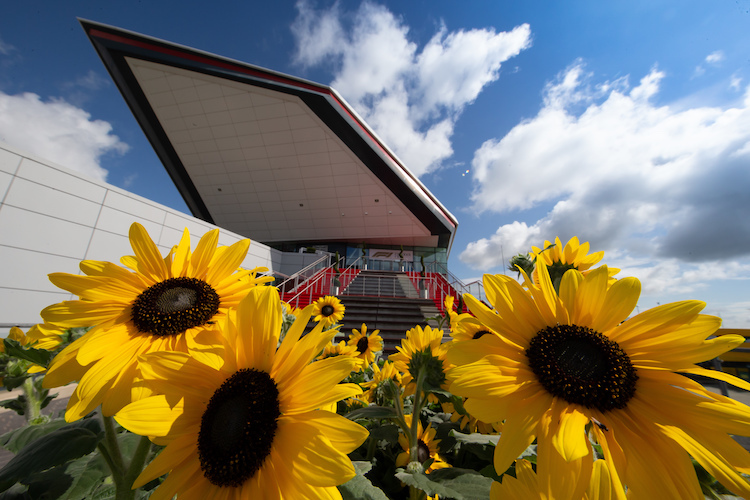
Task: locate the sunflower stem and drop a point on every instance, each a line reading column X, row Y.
column 139, row 459
column 115, row 462
column 33, row 403
column 418, row 402
column 398, row 404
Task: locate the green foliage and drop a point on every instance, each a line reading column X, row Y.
column 372, row 412
column 40, row 357
column 452, row 482
column 359, row 487
column 50, row 450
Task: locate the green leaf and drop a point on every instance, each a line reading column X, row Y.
column 47, row 400
column 490, row 472
column 387, row 433
column 17, row 405
column 11, row 383
column 373, row 412
column 37, row 356
column 105, row 493
column 66, row 443
column 48, row 485
column 480, row 445
column 17, row 492
column 476, row 438
column 87, row 474
column 423, row 482
column 359, row 487
column 471, row 484
column 16, row 439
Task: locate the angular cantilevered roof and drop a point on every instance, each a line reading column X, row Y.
column 267, row 155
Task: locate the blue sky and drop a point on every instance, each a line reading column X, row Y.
column 625, row 123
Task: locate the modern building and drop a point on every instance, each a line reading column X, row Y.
column 281, row 160
column 261, row 155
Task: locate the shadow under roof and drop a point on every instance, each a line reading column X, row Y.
column 266, row 155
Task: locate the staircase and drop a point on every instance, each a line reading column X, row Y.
column 385, row 301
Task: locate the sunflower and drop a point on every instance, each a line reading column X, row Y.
column 290, row 309
column 525, row 486
column 568, row 362
column 341, row 349
column 374, row 392
column 41, row 336
column 329, row 310
column 421, row 349
column 366, row 345
column 163, row 305
column 246, row 423
column 427, row 447
column 463, row 326
column 559, row 258
column 468, row 423
column 466, row 327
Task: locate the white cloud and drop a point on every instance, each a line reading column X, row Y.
column 715, row 57
column 57, row 131
column 6, row 48
column 410, row 97
column 90, row 81
column 625, row 174
column 734, row 315
column 735, row 83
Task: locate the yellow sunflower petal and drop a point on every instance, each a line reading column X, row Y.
column 150, row 262
column 519, row 431
column 75, row 313
column 619, row 302
column 152, row 416
column 726, row 377
column 340, row 431
column 95, row 287
column 304, row 351
column 310, row 456
column 657, row 321
column 100, row 341
column 568, row 431
column 258, row 327
column 520, row 315
column 601, row 486
column 98, row 379
column 715, row 465
column 204, row 252
column 174, row 453
column 590, row 297
column 491, row 319
column 545, row 295
column 304, row 392
column 181, row 256
column 569, row 284
column 228, row 262
column 613, row 455
column 560, row 478
column 175, row 481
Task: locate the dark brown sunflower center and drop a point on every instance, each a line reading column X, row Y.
column 326, row 310
column 238, row 427
column 582, row 366
column 423, row 452
column 363, row 344
column 480, row 334
column 174, row 305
